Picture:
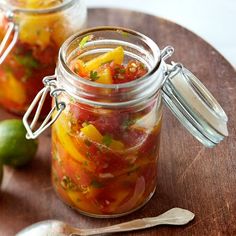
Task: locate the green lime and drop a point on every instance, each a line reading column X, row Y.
column 15, row 149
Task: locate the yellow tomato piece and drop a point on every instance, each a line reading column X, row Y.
column 80, row 201
column 117, row 145
column 34, row 30
column 116, row 55
column 66, row 141
column 105, row 77
column 38, row 30
column 13, row 90
column 91, row 132
column 74, row 196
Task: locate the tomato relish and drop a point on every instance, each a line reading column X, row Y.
column 108, row 68
column 105, row 160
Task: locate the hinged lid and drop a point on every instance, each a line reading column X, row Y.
column 194, row 106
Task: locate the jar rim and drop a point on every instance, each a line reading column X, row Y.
column 64, row 5
column 148, row 41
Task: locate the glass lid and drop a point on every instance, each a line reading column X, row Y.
column 194, row 106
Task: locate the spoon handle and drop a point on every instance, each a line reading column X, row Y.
column 175, row 216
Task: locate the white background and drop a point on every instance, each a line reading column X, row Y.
column 213, row 20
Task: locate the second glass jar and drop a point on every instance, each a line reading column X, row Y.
column 39, row 29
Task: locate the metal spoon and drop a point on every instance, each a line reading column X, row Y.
column 175, row 216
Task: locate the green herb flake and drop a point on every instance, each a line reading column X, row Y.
column 27, row 60
column 107, row 140
column 142, row 65
column 122, row 71
column 127, row 123
column 85, row 40
column 93, row 75
column 96, row 184
column 68, row 184
column 72, row 100
column 124, row 34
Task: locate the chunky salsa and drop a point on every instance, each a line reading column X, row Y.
column 105, row 161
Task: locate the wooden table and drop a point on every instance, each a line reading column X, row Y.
column 190, row 175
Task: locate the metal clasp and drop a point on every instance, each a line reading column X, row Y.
column 7, row 45
column 169, row 70
column 50, row 87
column 167, row 52
column 173, row 69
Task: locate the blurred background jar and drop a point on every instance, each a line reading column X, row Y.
column 31, row 33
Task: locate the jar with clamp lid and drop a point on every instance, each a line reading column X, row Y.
column 31, row 33
column 106, row 136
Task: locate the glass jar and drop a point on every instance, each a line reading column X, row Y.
column 106, row 137
column 31, row 33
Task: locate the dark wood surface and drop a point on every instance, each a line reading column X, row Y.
column 190, row 175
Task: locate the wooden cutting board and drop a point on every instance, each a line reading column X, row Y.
column 190, row 175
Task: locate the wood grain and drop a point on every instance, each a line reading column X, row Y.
column 190, row 176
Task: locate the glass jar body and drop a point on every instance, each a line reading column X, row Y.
column 35, row 53
column 104, row 161
column 105, row 143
